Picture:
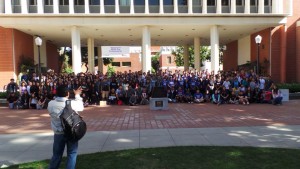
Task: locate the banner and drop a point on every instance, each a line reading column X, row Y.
column 115, row 51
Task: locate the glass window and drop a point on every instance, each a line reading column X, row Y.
column 239, row 2
column 32, row 2
column 117, row 64
column 169, row 60
column 79, row 2
column 267, row 2
column 139, row 2
column 153, row 2
column 182, row 2
column 225, row 2
column 48, row 2
column 63, row 2
column 124, row 2
column 168, row 2
column 211, row 3
column 253, row 2
column 16, row 2
column 128, row 64
column 94, row 2
column 197, row 2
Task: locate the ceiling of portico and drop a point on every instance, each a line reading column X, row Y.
column 162, row 34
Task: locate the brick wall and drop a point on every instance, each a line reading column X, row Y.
column 6, row 56
column 275, row 60
column 230, row 57
column 52, row 57
column 298, row 53
column 135, row 64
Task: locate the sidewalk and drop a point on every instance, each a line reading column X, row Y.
column 25, row 135
column 20, row 148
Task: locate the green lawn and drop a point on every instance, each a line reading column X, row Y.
column 186, row 158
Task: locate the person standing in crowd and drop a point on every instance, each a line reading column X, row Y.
column 55, row 108
column 12, row 86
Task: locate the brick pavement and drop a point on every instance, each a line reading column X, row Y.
column 110, row 118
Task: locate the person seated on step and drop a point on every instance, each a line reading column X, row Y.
column 198, row 97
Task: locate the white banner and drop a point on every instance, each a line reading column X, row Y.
column 115, row 51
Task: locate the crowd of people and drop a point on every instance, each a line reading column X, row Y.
column 135, row 88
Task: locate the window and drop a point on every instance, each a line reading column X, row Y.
column 109, row 2
column 48, row 2
column 267, row 2
column 197, row 2
column 211, row 3
column 225, row 2
column 32, row 2
column 63, row 2
column 124, row 2
column 253, row 2
column 139, row 2
column 153, row 2
column 182, row 2
column 16, row 2
column 94, row 2
column 239, row 2
column 168, row 2
column 128, row 64
column 117, row 64
column 169, row 60
column 78, row 2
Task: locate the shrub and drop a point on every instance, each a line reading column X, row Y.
column 3, row 95
column 293, row 87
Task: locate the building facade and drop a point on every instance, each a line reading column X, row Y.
column 146, row 23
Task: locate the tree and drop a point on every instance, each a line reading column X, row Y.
column 178, row 53
column 155, row 62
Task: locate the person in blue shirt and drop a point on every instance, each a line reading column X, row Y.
column 198, row 97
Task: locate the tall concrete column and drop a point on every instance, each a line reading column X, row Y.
column 190, row 6
column 298, row 51
column 289, row 7
column 175, row 4
column 146, row 49
column 247, row 7
column 204, row 6
column 40, row 7
column 24, row 6
column 197, row 53
column 86, row 7
column 102, row 9
column 219, row 7
column 161, row 6
column 131, row 6
column 100, row 59
column 186, row 62
column 233, row 7
column 261, row 6
column 2, row 7
column 76, row 50
column 117, row 7
column 8, row 7
column 214, row 43
column 146, row 6
column 91, row 55
column 71, row 6
column 55, row 7
column 283, row 54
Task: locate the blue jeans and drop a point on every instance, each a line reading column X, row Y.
column 58, row 149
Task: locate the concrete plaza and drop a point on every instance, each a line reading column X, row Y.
column 25, row 135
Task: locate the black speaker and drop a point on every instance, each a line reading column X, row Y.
column 158, row 92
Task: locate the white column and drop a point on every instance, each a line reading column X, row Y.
column 55, row 7
column 91, row 55
column 197, row 53
column 146, row 50
column 131, row 6
column 117, row 7
column 219, row 7
column 102, row 9
column 76, row 50
column 24, row 6
column 161, row 6
column 190, row 6
column 186, row 63
column 261, row 7
column 247, row 7
column 204, row 6
column 289, row 7
column 214, row 43
column 100, row 59
column 146, row 6
column 2, row 7
column 71, row 6
column 8, row 7
column 233, row 7
column 86, row 7
column 175, row 4
column 40, row 7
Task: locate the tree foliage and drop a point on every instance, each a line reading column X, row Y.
column 179, row 60
column 155, row 62
column 26, row 64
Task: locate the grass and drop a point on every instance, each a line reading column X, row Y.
column 185, row 158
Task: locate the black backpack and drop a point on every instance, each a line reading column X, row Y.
column 73, row 125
